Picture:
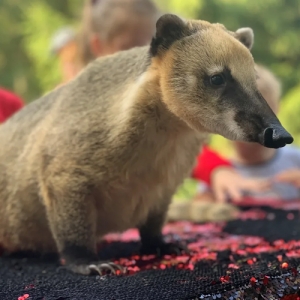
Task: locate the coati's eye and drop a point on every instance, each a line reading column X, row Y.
column 217, row 80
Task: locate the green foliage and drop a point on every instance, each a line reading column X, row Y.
column 15, row 71
column 290, row 113
column 187, row 190
column 182, row 8
column 44, row 64
column 26, row 28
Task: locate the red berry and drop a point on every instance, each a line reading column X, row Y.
column 252, row 280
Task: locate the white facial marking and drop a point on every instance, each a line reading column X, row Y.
column 215, row 69
column 233, row 129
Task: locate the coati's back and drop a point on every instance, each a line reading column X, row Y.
column 81, row 104
column 101, row 79
column 103, row 84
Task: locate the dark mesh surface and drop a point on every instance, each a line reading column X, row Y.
column 242, row 259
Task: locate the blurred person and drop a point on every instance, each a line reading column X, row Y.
column 109, row 26
column 64, row 46
column 217, row 172
column 254, row 170
column 9, row 104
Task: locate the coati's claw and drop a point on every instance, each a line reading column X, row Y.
column 103, row 267
column 97, row 268
column 165, row 249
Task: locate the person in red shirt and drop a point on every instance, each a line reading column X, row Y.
column 9, row 104
column 218, row 173
column 207, row 161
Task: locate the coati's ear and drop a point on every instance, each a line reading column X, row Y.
column 169, row 28
column 246, row 36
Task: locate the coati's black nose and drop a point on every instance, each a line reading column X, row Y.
column 275, row 137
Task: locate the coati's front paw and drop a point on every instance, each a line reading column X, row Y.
column 83, row 261
column 99, row 268
column 162, row 248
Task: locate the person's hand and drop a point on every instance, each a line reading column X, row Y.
column 226, row 182
column 291, row 176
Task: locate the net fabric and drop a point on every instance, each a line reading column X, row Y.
column 256, row 256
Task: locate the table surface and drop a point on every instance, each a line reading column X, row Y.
column 257, row 254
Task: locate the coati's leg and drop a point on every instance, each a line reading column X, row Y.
column 72, row 218
column 152, row 238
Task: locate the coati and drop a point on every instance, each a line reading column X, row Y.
column 106, row 151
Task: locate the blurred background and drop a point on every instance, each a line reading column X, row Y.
column 29, row 67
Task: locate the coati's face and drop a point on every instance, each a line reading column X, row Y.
column 208, row 80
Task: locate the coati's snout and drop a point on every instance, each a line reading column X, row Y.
column 257, row 122
column 275, row 137
column 208, row 79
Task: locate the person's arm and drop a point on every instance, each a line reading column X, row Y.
column 291, row 176
column 207, row 161
column 224, row 181
column 9, row 104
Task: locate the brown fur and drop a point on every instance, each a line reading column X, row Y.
column 107, row 151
